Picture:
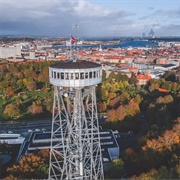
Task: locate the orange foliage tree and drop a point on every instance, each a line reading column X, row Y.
column 10, row 90
column 120, row 113
column 35, row 109
column 111, row 115
column 31, row 166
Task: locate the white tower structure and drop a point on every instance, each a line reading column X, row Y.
column 75, row 152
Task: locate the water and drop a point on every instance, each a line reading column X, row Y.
column 137, row 44
column 122, row 44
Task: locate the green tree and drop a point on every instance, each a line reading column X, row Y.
column 132, row 80
column 111, row 77
column 101, row 93
column 116, row 169
column 170, row 76
column 103, row 75
column 124, row 97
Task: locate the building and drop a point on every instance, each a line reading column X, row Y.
column 10, row 51
column 11, row 138
column 32, row 55
column 166, row 67
column 37, row 140
column 108, row 138
column 142, row 79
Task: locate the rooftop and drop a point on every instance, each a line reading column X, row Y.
column 79, row 64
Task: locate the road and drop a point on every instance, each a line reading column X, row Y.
column 25, row 127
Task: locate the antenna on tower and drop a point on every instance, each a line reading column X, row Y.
column 74, row 39
column 75, row 27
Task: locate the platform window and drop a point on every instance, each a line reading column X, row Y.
column 81, row 75
column 72, row 75
column 62, row 75
column 90, row 74
column 58, row 76
column 86, row 75
column 76, row 75
column 66, row 75
column 94, row 74
column 54, row 74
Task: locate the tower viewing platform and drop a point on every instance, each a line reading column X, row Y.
column 75, row 74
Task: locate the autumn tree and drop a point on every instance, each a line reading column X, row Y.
column 111, row 95
column 35, row 109
column 31, row 166
column 132, row 108
column 31, row 85
column 176, row 127
column 153, row 87
column 175, row 87
column 10, row 91
column 168, row 99
column 111, row 115
column 165, row 100
column 120, row 113
column 48, row 102
column 138, row 99
column 12, row 110
column 166, row 85
column 166, row 141
column 101, row 106
column 114, row 103
column 20, row 75
column 162, row 173
column 3, row 69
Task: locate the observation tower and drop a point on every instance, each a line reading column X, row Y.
column 75, row 152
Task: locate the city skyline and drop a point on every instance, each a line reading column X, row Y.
column 94, row 17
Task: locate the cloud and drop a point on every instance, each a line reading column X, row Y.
column 151, row 8
column 87, row 9
column 56, row 17
column 171, row 27
column 175, row 13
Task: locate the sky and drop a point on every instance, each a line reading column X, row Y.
column 93, row 17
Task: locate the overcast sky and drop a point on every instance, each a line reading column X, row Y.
column 94, row 17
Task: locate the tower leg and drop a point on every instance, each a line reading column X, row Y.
column 75, row 142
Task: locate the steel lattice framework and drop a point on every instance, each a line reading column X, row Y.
column 75, row 152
